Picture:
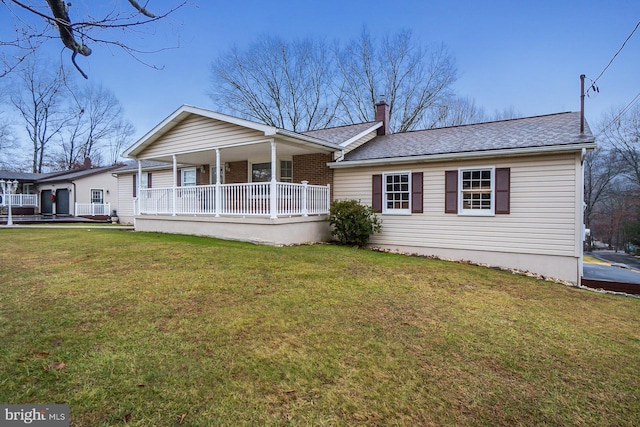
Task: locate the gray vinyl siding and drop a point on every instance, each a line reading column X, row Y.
column 197, row 133
column 125, row 198
column 545, row 212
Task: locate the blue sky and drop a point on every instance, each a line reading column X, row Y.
column 525, row 55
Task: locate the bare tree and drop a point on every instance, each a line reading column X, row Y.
column 35, row 22
column 622, row 131
column 413, row 80
column 38, row 97
column 455, row 112
column 118, row 140
column 95, row 118
column 282, row 84
column 601, row 168
column 302, row 86
column 506, row 113
column 7, row 145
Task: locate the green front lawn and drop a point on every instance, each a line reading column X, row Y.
column 144, row 329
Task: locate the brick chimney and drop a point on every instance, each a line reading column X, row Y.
column 382, row 115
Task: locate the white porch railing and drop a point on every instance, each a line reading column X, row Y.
column 19, row 200
column 248, row 199
column 92, row 209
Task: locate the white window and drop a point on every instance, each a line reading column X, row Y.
column 27, row 188
column 145, row 180
column 188, row 177
column 286, row 171
column 212, row 175
column 97, row 196
column 396, row 193
column 476, row 191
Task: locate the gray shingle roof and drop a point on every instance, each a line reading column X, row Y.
column 75, row 174
column 339, row 134
column 21, row 176
column 540, row 131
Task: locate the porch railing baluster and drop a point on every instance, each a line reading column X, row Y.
column 247, row 199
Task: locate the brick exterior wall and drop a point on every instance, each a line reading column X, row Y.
column 236, row 173
column 313, row 168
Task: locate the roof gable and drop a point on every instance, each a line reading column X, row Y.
column 186, row 115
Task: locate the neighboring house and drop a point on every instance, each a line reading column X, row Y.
column 86, row 192
column 506, row 193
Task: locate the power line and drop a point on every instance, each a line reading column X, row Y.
column 593, row 86
column 622, row 113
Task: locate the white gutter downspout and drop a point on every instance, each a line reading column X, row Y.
column 175, row 184
column 273, row 200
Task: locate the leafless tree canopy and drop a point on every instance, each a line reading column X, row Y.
column 95, row 123
column 35, row 22
column 612, row 180
column 283, row 84
column 412, row 79
column 623, row 133
column 38, row 98
column 64, row 124
column 308, row 85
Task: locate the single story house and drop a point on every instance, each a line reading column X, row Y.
column 86, row 192
column 506, row 193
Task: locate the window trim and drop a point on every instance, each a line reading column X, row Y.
column 477, row 212
column 282, row 178
column 278, row 175
column 195, row 176
column 392, row 211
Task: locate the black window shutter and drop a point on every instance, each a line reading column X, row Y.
column 376, row 199
column 179, row 178
column 135, row 185
column 416, row 192
column 503, row 190
column 149, row 180
column 451, row 192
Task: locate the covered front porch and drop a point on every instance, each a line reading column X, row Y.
column 231, row 178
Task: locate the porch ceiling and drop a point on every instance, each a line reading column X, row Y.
column 256, row 151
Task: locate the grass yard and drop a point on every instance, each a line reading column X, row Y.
column 142, row 329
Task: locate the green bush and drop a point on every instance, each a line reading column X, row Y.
column 353, row 223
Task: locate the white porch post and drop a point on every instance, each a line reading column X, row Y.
column 218, row 197
column 305, row 188
column 139, row 185
column 273, row 199
column 175, row 184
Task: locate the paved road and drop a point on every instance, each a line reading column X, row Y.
column 614, row 273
